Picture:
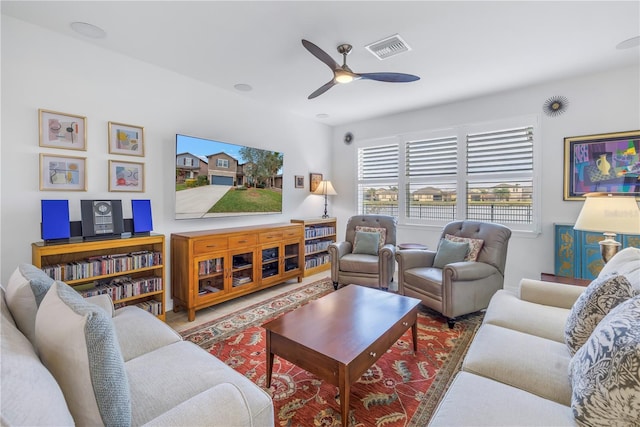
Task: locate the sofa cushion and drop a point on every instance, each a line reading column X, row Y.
column 78, row 345
column 25, row 290
column 472, row 400
column 524, row 361
column 366, row 243
column 29, row 395
column 603, row 294
column 360, row 263
column 627, row 263
column 474, row 245
column 381, row 230
column 450, row 252
column 604, row 372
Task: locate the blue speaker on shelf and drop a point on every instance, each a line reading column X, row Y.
column 55, row 219
column 142, row 220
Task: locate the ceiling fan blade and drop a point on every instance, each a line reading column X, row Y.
column 320, row 54
column 390, row 77
column 322, row 89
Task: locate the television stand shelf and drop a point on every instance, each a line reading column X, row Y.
column 212, row 266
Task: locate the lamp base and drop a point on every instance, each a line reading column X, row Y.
column 609, row 246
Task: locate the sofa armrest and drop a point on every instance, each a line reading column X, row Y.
column 222, row 405
column 103, row 301
column 549, row 293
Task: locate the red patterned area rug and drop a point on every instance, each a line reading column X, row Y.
column 400, row 389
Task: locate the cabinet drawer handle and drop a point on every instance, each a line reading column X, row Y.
column 212, row 246
column 372, row 354
column 405, row 323
column 242, row 241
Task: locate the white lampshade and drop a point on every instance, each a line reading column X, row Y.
column 325, row 188
column 603, row 212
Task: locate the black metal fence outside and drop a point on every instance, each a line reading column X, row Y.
column 519, row 213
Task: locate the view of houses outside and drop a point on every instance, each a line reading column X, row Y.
column 496, row 202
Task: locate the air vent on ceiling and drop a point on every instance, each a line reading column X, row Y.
column 386, row 48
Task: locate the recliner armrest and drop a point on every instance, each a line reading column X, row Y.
column 388, row 251
column 469, row 270
column 340, row 248
column 549, row 293
column 412, row 258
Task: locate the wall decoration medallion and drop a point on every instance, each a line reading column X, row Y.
column 555, row 106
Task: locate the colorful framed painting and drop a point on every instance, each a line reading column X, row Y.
column 126, row 139
column 60, row 130
column 299, row 180
column 608, row 163
column 62, row 173
column 314, row 180
column 126, row 176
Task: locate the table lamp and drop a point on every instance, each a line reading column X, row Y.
column 325, row 189
column 609, row 215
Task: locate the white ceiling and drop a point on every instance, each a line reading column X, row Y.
column 460, row 49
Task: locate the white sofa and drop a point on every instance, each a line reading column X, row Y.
column 518, row 370
column 73, row 361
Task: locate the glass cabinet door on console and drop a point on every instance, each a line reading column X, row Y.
column 211, row 275
column 242, row 269
column 292, row 256
column 270, row 262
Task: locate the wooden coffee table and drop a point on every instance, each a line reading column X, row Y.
column 341, row 335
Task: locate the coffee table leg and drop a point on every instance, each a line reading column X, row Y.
column 414, row 333
column 269, row 359
column 345, row 391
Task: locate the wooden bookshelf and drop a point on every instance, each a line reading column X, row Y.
column 319, row 233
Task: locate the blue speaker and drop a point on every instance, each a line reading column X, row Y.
column 142, row 220
column 55, row 219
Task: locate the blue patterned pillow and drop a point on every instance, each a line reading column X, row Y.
column 604, row 373
column 603, row 294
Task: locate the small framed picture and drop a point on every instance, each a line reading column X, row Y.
column 126, row 176
column 60, row 130
column 299, row 179
column 126, row 139
column 62, row 173
column 314, row 180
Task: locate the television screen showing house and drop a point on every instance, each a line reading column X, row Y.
column 215, row 179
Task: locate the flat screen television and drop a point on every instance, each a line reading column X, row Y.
column 218, row 179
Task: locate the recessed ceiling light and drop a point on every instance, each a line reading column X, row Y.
column 322, row 116
column 243, row 87
column 88, row 30
column 629, row 43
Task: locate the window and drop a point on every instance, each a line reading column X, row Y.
column 378, row 180
column 222, row 163
column 479, row 172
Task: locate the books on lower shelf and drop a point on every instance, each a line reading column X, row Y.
column 152, row 306
column 317, row 245
column 316, row 260
column 101, row 265
column 124, row 287
column 237, row 281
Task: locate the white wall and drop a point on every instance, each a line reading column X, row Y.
column 599, row 103
column 41, row 69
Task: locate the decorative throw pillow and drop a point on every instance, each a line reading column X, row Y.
column 449, row 252
column 627, row 263
column 382, row 231
column 366, row 243
column 78, row 345
column 26, row 288
column 602, row 294
column 604, row 372
column 474, row 245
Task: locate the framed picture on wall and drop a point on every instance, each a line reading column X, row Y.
column 60, row 130
column 314, row 180
column 126, row 176
column 299, row 180
column 608, row 163
column 62, row 173
column 126, row 139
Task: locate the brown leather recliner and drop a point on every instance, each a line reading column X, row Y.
column 461, row 287
column 364, row 269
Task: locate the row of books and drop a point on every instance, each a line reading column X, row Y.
column 152, row 306
column 210, row 266
column 315, row 246
column 125, row 287
column 316, row 260
column 237, row 281
column 310, row 232
column 103, row 264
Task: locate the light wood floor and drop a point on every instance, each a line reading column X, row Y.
column 179, row 322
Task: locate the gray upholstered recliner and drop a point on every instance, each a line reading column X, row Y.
column 460, row 287
column 364, row 269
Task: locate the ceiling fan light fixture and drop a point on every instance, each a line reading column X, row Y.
column 342, row 77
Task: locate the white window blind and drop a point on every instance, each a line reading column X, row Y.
column 432, row 157
column 376, row 163
column 509, row 150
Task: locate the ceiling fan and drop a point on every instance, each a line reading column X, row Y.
column 343, row 74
